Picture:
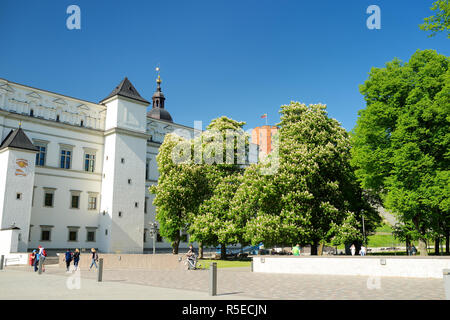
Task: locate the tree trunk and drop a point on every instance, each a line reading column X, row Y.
column 314, row 248
column 447, row 241
column 175, row 245
column 422, row 242
column 436, row 246
column 320, row 252
column 200, row 250
column 423, row 247
column 408, row 243
column 223, row 251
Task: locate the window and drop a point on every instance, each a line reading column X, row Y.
column 106, row 232
column 90, row 234
column 40, row 155
column 75, row 202
column 122, row 160
column 92, row 201
column 89, row 161
column 73, row 233
column 136, row 204
column 46, row 233
column 75, row 199
column 120, row 213
column 147, row 165
column 81, row 123
column 32, row 112
column 66, row 159
column 129, row 181
column 18, row 196
column 145, row 205
column 158, row 238
column 145, row 235
column 73, row 236
column 48, row 199
column 57, row 118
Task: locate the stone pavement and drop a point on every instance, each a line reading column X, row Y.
column 23, row 285
column 235, row 283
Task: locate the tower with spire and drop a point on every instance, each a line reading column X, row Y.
column 158, row 111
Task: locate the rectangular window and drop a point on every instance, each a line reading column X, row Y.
column 145, row 235
column 73, row 235
column 147, row 165
column 75, row 203
column 48, row 199
column 40, row 155
column 158, row 238
column 66, row 159
column 145, row 205
column 90, row 236
column 92, row 202
column 45, row 235
column 19, row 196
column 89, row 162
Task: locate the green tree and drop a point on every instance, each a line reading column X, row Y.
column 222, row 146
column 180, row 189
column 313, row 197
column 440, row 21
column 401, row 141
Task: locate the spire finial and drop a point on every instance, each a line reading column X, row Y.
column 158, row 80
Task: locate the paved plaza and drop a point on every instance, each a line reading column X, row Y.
column 233, row 283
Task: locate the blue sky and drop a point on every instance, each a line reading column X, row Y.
column 235, row 58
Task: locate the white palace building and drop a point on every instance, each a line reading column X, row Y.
column 75, row 174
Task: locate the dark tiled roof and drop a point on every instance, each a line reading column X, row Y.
column 18, row 139
column 126, row 89
column 160, row 114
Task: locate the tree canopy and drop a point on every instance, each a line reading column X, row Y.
column 402, row 138
column 440, row 21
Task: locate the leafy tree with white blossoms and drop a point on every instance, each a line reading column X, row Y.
column 180, row 188
column 313, row 197
column 223, row 146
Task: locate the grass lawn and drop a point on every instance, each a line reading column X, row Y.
column 225, row 263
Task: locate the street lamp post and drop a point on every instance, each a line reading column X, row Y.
column 364, row 231
column 153, row 232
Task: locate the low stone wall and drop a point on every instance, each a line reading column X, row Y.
column 386, row 266
column 13, row 259
column 127, row 261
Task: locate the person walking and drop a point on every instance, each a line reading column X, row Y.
column 42, row 256
column 68, row 259
column 36, row 261
column 296, row 250
column 94, row 259
column 353, row 249
column 32, row 258
column 76, row 258
column 363, row 251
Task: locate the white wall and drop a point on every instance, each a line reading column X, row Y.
column 356, row 266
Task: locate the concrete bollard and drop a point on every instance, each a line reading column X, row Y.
column 447, row 283
column 100, row 270
column 40, row 266
column 213, row 279
column 2, row 261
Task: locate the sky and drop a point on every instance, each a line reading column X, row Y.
column 238, row 58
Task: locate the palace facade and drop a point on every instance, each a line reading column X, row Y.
column 75, row 174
